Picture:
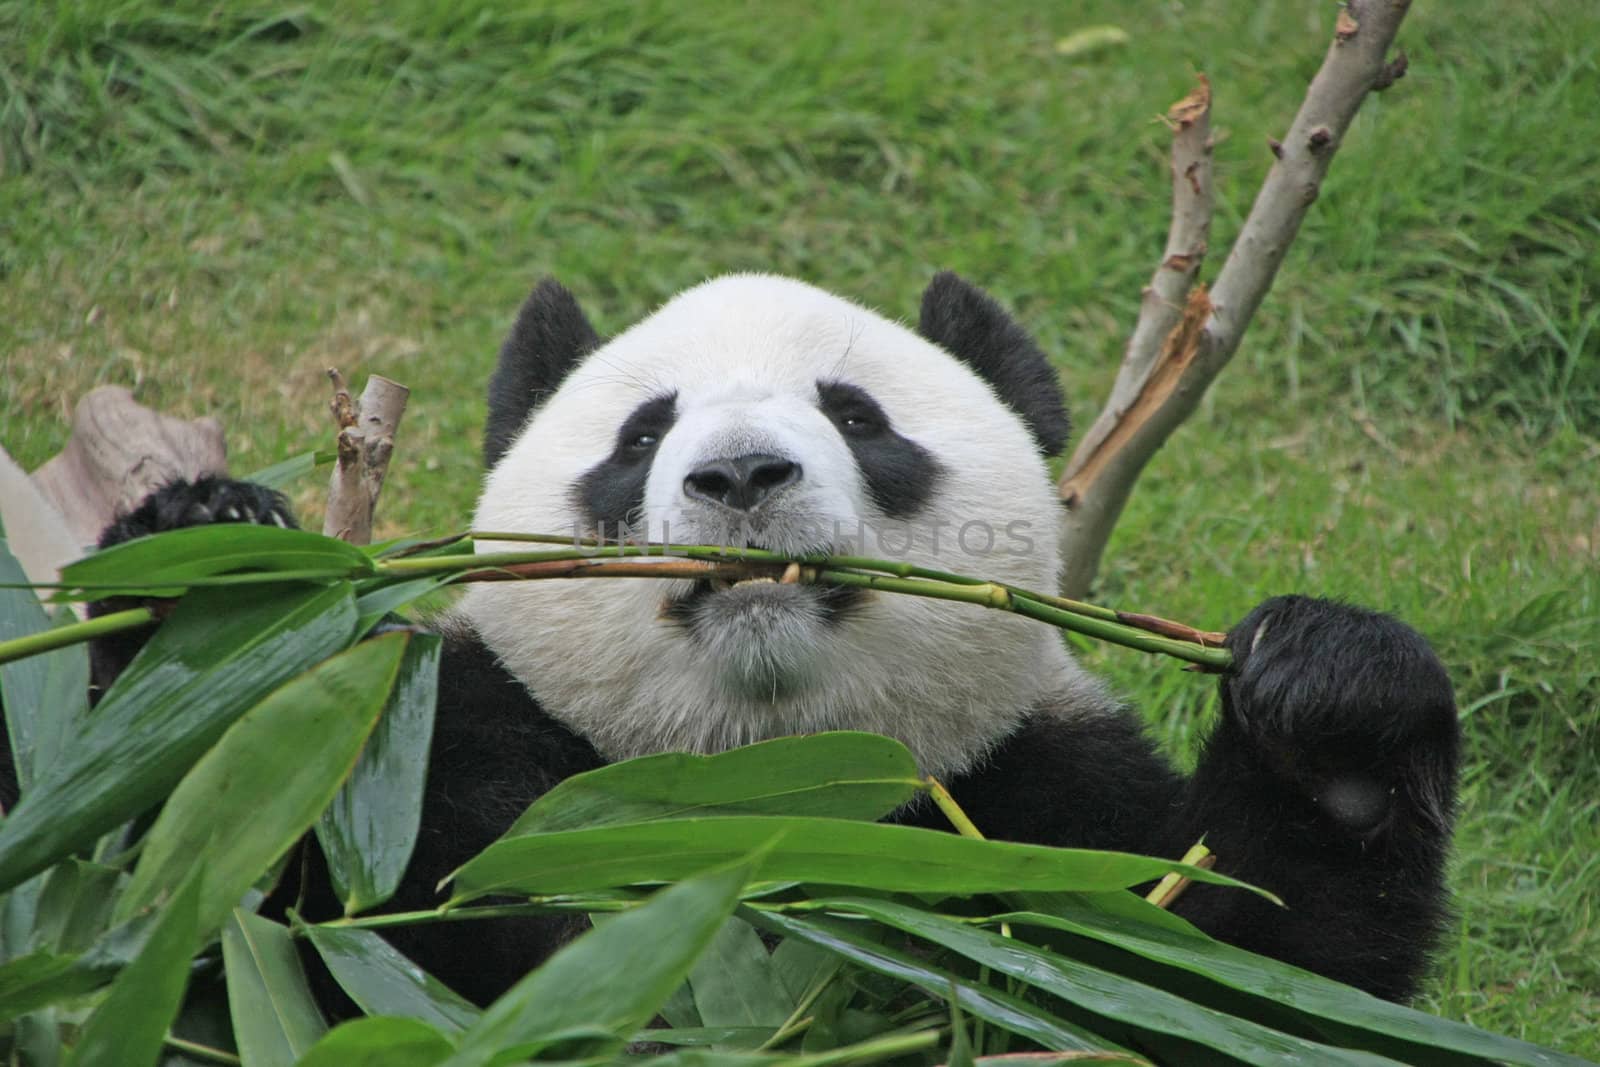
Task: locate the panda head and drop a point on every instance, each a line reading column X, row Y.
column 756, row 410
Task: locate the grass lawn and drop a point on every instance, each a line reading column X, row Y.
column 213, row 203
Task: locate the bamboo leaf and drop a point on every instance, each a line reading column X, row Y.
column 36, row 1038
column 800, row 967
column 376, row 598
column 18, row 915
column 43, row 977
column 43, row 696
column 722, row 1037
column 263, row 784
column 379, row 1043
column 275, row 1020
column 843, row 775
column 1105, row 993
column 73, row 905
column 1130, row 906
column 127, row 1029
column 369, row 830
column 679, row 1010
column 165, row 564
column 46, row 976
column 282, row 473
column 383, row 982
column 734, row 982
column 960, row 1042
column 1290, row 986
column 835, row 851
column 218, row 655
column 644, row 955
column 904, row 1047
column 992, row 1005
column 420, row 547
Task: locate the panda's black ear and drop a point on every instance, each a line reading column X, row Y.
column 550, row 336
column 966, row 322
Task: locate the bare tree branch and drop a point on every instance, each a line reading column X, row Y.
column 366, row 441
column 1161, row 304
column 1201, row 332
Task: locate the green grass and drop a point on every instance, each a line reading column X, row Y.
column 213, row 203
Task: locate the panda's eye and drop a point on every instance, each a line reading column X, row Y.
column 856, row 420
column 641, row 432
column 851, row 409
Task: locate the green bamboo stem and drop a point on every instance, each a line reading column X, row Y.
column 872, row 1050
column 896, row 568
column 1173, row 884
column 426, row 565
column 952, row 811
column 965, row 590
column 468, row 914
column 1001, row 598
column 798, row 1021
column 62, row 636
column 1144, row 633
column 199, row 1051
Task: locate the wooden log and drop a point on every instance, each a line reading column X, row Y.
column 119, row 452
column 36, row 533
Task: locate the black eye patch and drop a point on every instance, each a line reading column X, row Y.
column 612, row 492
column 901, row 475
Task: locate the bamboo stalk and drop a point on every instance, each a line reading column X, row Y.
column 201, row 1052
column 1001, row 598
column 1146, row 633
column 1173, row 883
column 901, row 569
column 536, row 906
column 952, row 811
column 1104, row 624
column 62, row 636
column 619, row 568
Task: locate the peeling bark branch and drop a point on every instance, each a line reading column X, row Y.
column 1161, row 304
column 1162, row 381
column 366, row 441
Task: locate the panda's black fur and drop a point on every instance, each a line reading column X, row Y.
column 1329, row 777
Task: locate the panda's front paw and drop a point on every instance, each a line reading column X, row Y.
column 1349, row 707
column 198, row 503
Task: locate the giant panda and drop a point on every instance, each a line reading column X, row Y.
column 758, row 410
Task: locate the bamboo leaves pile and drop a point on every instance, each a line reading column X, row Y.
column 266, row 708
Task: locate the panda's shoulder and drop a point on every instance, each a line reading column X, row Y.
column 487, row 719
column 1040, row 783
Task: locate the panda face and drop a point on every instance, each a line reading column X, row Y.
column 758, row 411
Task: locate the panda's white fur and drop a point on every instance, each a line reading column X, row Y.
column 743, row 356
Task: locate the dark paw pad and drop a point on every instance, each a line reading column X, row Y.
column 199, row 503
column 1357, row 802
column 1351, row 706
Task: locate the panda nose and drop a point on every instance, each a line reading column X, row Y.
column 743, row 482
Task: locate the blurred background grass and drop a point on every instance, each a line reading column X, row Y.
column 212, row 203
